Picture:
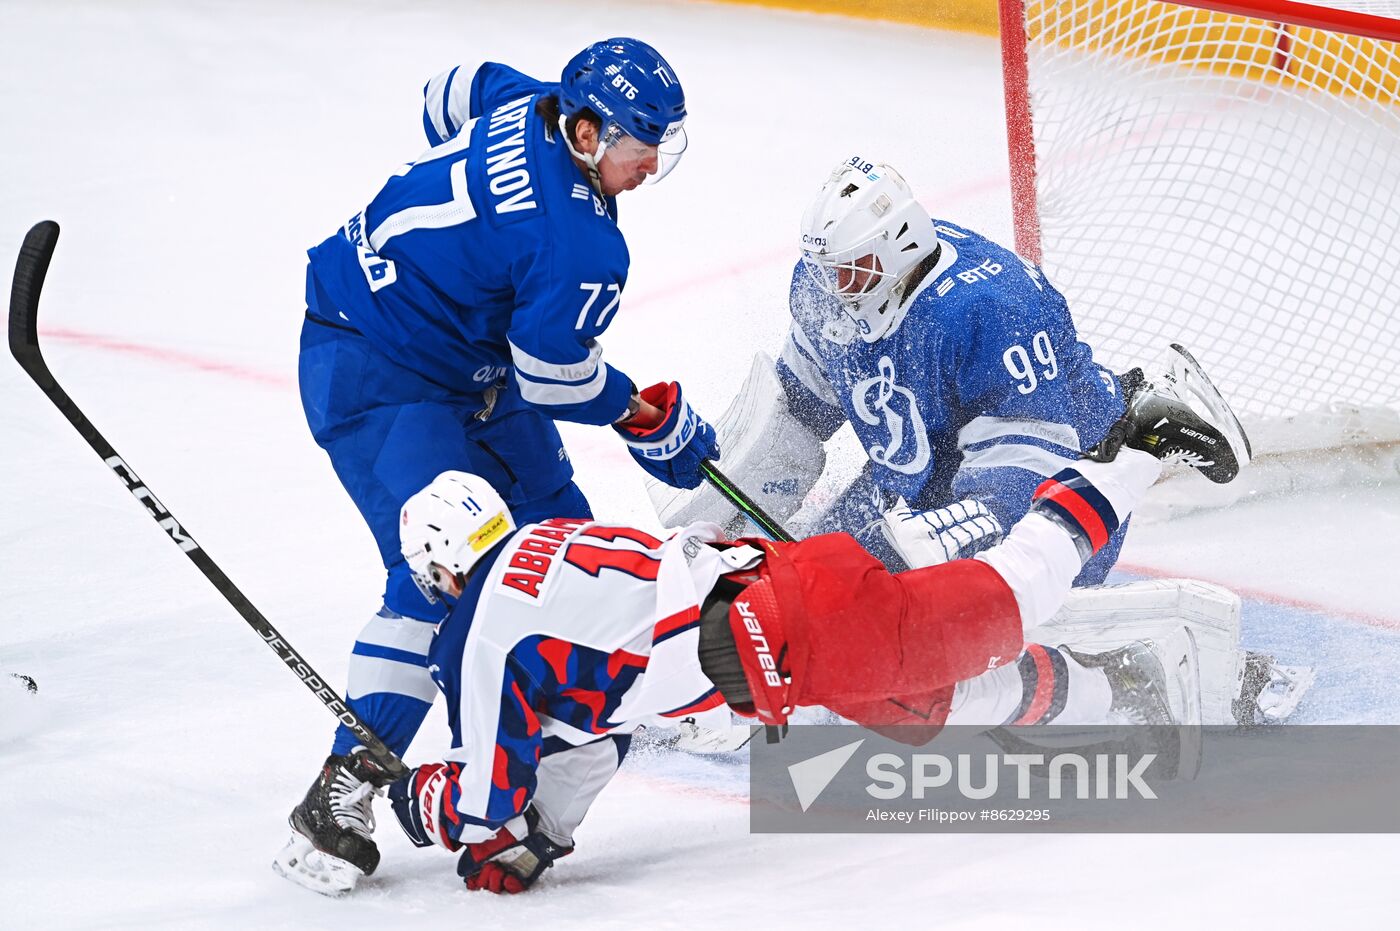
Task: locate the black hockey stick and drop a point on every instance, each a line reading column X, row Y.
column 30, row 270
column 744, row 503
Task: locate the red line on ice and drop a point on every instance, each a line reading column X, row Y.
column 1259, row 594
column 174, row 357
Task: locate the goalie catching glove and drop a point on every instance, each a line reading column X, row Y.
column 673, row 449
column 930, row 538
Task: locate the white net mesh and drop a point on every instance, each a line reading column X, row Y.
column 1229, row 183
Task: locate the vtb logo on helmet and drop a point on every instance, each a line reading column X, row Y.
column 636, row 93
column 861, row 236
column 452, row 523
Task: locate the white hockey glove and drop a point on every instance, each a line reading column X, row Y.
column 929, row 538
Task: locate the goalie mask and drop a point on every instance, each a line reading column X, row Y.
column 452, row 523
column 861, row 237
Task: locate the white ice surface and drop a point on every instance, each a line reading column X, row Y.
column 192, row 152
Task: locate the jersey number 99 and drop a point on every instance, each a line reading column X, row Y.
column 1018, row 363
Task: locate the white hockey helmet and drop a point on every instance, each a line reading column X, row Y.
column 453, row 522
column 860, row 237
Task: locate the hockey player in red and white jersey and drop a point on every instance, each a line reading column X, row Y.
column 567, row 635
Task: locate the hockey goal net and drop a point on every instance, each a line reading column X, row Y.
column 1227, row 176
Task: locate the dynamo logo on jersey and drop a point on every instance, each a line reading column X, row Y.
column 871, row 411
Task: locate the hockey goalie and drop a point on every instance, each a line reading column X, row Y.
column 960, row 372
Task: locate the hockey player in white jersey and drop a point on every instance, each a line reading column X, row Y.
column 567, row 633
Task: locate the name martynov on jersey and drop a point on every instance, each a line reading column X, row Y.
column 488, row 257
column 569, row 631
column 985, row 374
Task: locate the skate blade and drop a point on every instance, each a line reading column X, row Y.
column 695, row 739
column 303, row 864
column 1201, row 394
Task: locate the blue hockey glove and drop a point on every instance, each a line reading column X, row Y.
column 673, row 450
column 929, row 538
column 511, row 861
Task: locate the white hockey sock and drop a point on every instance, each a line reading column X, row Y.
column 1124, row 480
column 1044, row 686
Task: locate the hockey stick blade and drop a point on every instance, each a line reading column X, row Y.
column 30, row 270
column 33, row 265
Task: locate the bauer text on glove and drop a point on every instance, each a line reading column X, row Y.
column 673, row 449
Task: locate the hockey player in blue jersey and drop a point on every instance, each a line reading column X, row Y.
column 955, row 362
column 455, row 318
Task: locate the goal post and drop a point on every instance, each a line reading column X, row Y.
column 1225, row 175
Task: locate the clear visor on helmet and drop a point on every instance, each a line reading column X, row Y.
column 849, row 274
column 655, row 161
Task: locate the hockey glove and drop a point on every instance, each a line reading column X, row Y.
column 672, row 450
column 929, row 538
column 418, row 801
column 511, row 861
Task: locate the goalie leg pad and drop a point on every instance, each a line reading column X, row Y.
column 1094, row 620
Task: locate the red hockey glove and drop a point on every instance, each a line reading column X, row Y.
column 511, row 861
column 673, row 450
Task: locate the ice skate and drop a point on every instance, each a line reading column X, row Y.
column 330, row 847
column 1270, row 691
column 698, row 735
column 1157, row 682
column 1178, row 415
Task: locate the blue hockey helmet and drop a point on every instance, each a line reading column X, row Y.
column 634, row 91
